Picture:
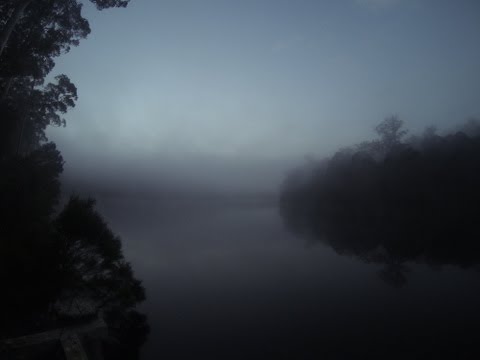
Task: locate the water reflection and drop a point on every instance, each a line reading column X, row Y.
column 393, row 203
column 232, row 283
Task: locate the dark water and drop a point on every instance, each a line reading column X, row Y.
column 229, row 282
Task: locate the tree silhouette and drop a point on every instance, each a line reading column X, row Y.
column 29, row 109
column 60, row 19
column 416, row 203
column 93, row 266
column 390, row 132
column 44, row 29
column 51, row 258
column 29, row 193
column 50, row 263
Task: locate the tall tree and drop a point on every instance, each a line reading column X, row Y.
column 32, row 35
column 15, row 12
column 29, row 109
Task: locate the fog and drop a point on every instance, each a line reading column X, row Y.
column 269, row 79
column 255, row 179
column 193, row 173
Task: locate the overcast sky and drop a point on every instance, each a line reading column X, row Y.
column 266, row 78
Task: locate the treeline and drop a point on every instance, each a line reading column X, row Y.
column 393, row 200
column 60, row 264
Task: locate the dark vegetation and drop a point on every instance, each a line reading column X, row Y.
column 59, row 263
column 394, row 200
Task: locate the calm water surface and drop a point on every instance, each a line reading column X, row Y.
column 229, row 281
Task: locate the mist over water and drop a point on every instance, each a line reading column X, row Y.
column 225, row 278
column 245, row 179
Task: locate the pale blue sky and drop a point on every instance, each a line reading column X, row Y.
column 267, row 78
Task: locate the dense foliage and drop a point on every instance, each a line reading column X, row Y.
column 32, row 35
column 393, row 201
column 59, row 263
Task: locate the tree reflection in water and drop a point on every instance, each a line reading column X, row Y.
column 393, row 202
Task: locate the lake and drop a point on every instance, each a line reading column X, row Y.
column 226, row 280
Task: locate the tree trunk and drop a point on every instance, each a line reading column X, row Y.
column 10, row 25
